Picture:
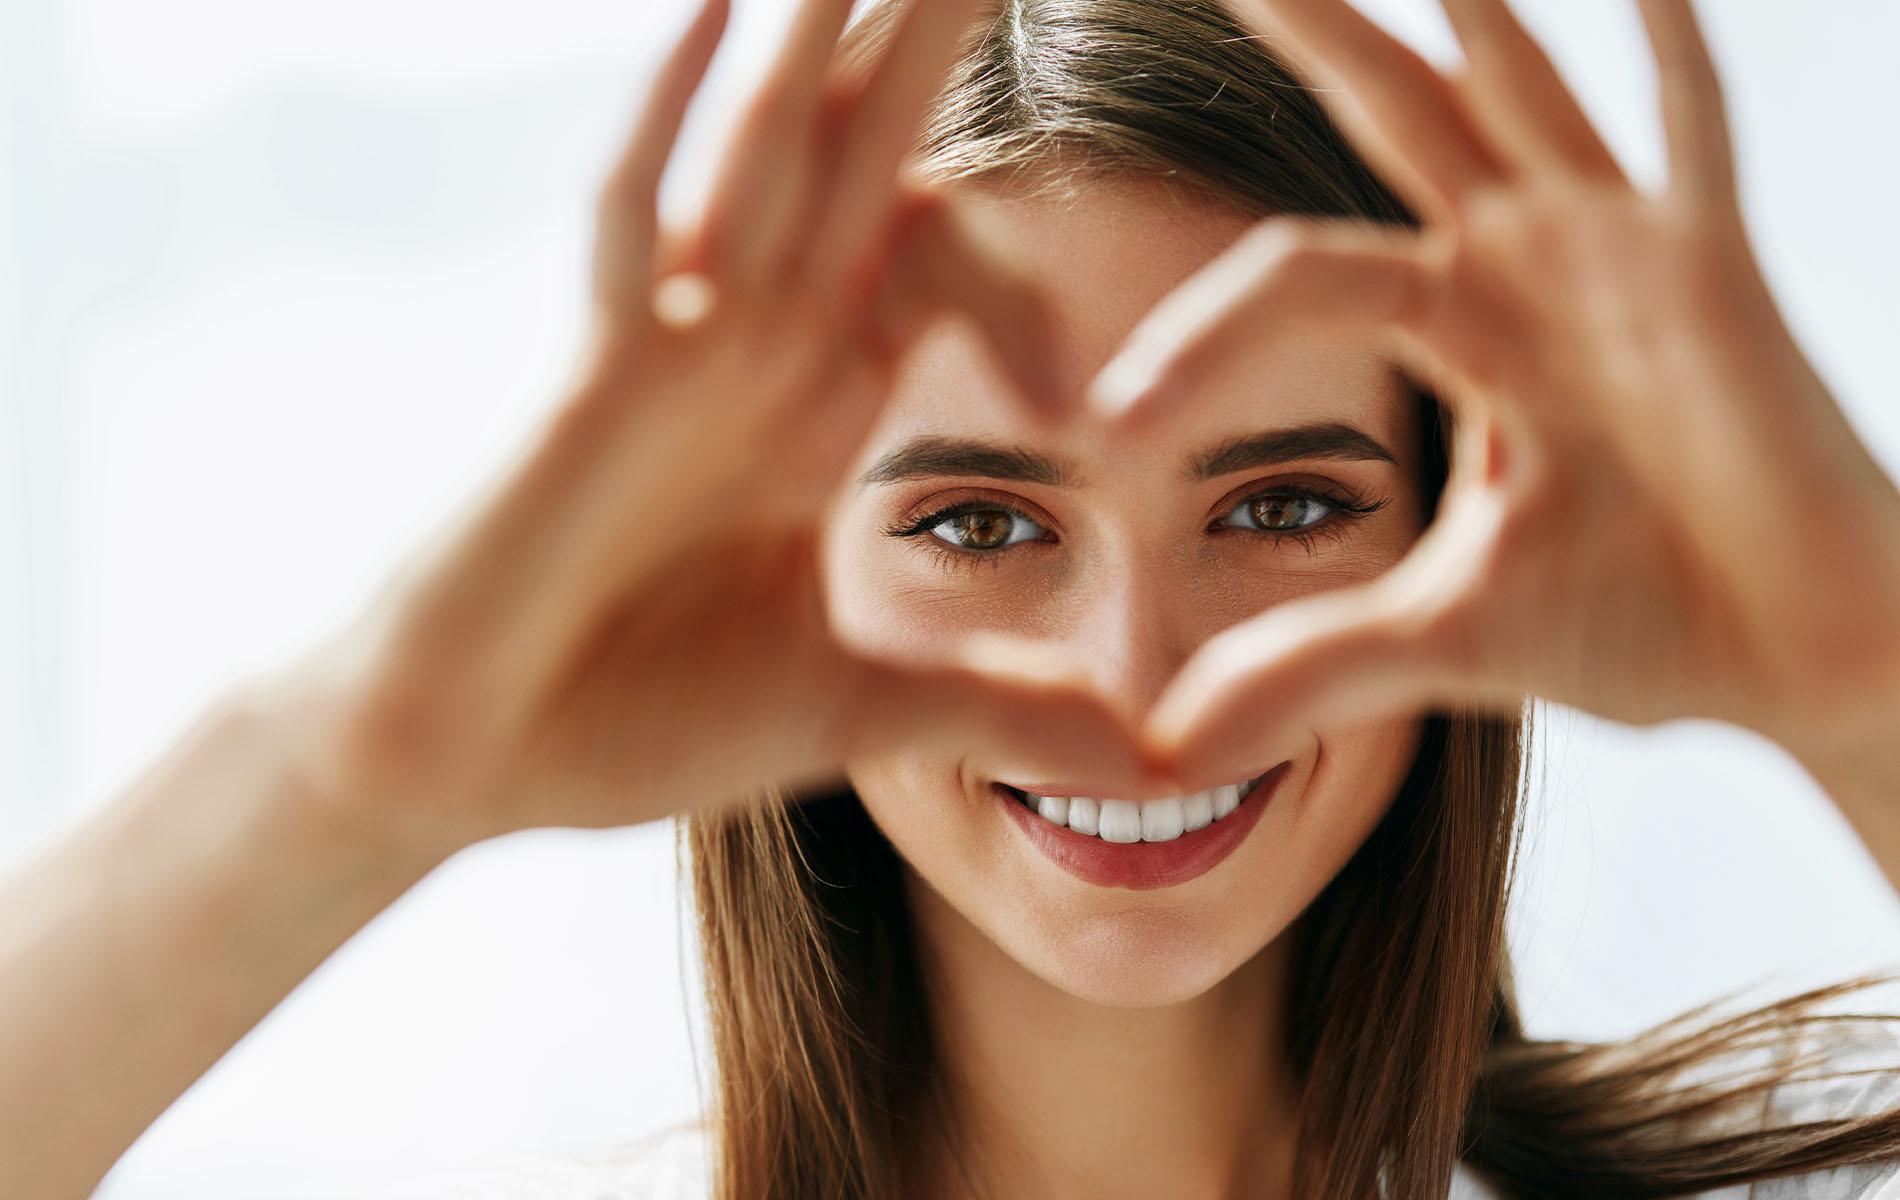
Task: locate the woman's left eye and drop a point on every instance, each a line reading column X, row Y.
column 1279, row 512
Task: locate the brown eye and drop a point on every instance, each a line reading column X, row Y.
column 1279, row 512
column 985, row 529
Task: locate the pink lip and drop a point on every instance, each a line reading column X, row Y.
column 1141, row 866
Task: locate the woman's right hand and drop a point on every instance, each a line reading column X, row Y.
column 630, row 624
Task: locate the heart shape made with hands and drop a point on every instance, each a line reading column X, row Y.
column 1633, row 421
column 1632, row 425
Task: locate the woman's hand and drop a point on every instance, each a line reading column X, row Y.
column 1655, row 509
column 631, row 624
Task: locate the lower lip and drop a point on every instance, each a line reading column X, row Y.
column 1141, row 866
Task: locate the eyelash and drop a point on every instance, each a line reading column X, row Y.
column 1346, row 510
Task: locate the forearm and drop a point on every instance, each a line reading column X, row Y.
column 142, row 946
column 1862, row 775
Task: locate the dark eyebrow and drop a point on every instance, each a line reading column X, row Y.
column 1331, row 439
column 938, row 456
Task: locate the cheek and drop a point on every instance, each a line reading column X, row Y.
column 916, row 801
column 953, row 844
column 874, row 602
column 893, row 597
column 1352, row 782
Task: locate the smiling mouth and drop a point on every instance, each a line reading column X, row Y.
column 1124, row 822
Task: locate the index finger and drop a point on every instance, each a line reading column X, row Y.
column 1401, row 111
column 880, row 128
column 1285, row 274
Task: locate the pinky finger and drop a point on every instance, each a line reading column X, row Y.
column 1701, row 154
column 628, row 209
column 1284, row 274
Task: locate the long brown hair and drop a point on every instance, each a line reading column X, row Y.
column 1403, row 1025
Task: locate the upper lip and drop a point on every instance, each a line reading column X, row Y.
column 1065, row 790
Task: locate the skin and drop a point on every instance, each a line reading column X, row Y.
column 1049, row 987
column 633, row 620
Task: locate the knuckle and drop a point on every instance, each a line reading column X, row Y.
column 1532, row 485
column 1442, row 619
column 1406, row 300
column 765, row 113
column 837, row 107
column 1434, row 620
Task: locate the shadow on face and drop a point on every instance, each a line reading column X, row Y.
column 1127, row 554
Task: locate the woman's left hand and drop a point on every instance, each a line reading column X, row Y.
column 1655, row 508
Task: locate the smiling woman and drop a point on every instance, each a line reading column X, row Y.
column 1291, row 985
column 1104, row 791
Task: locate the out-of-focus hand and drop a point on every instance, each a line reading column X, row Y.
column 1656, row 510
column 631, row 624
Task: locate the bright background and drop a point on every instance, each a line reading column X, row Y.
column 281, row 283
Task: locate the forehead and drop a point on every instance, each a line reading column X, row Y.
column 1104, row 253
column 1106, row 249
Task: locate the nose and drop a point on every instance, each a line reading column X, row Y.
column 1134, row 626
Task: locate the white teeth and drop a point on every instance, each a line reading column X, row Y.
column 1125, row 822
column 1084, row 815
column 1226, row 800
column 1121, row 821
column 1162, row 821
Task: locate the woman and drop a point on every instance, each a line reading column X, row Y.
column 1156, row 741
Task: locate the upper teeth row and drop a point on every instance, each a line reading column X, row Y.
column 1126, row 821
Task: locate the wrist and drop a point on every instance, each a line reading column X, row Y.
column 1860, row 772
column 1856, row 761
column 285, row 726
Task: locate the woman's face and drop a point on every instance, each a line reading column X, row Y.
column 1128, row 554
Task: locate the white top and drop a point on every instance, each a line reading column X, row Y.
column 674, row 1163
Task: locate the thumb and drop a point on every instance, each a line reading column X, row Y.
column 1252, row 693
column 1018, row 704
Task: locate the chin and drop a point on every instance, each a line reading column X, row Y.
column 1139, row 959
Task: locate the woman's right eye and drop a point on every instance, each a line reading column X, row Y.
column 985, row 529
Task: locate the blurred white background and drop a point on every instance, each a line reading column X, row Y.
column 280, row 284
